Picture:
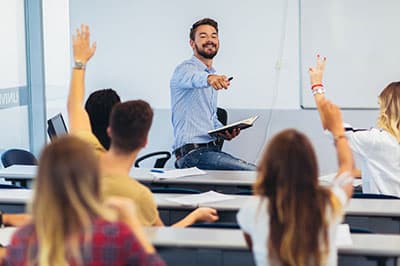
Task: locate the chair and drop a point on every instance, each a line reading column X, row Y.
column 176, row 190
column 17, row 156
column 358, row 195
column 160, row 162
column 222, row 116
column 7, row 186
column 216, row 225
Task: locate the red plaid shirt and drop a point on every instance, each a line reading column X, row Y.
column 112, row 244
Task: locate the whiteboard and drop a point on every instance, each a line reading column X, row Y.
column 361, row 40
column 139, row 44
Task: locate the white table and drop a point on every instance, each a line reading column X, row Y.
column 186, row 246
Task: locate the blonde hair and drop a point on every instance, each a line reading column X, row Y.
column 389, row 115
column 66, row 200
column 297, row 204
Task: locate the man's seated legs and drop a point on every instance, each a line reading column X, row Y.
column 211, row 158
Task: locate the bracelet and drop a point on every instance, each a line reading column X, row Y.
column 79, row 65
column 316, row 85
column 320, row 90
column 337, row 138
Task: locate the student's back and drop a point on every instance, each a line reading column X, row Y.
column 70, row 224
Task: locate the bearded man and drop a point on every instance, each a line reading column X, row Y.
column 194, row 90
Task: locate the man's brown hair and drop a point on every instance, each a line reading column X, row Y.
column 130, row 123
column 204, row 21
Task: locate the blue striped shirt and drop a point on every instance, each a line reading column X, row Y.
column 194, row 103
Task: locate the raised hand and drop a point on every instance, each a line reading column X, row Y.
column 82, row 49
column 316, row 73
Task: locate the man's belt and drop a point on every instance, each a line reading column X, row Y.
column 182, row 151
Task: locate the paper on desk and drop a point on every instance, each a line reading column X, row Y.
column 6, row 234
column 196, row 199
column 329, row 179
column 343, row 236
column 169, row 174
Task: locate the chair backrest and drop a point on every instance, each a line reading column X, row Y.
column 159, row 163
column 372, row 196
column 17, row 156
column 222, row 116
column 56, row 126
column 216, row 225
column 176, row 190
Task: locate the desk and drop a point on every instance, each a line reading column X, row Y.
column 221, row 181
column 217, row 247
column 14, row 200
column 196, row 246
column 21, row 174
column 377, row 215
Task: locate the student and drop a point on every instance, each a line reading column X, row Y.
column 377, row 150
column 128, row 130
column 70, row 225
column 292, row 220
column 98, row 106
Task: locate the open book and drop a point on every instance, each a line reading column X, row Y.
column 240, row 124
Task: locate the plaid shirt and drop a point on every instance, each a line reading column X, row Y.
column 112, row 244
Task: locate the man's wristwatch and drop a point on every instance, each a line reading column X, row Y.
column 79, row 65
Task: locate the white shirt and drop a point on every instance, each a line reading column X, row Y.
column 377, row 154
column 253, row 219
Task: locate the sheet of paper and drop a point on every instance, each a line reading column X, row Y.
column 196, row 199
column 343, row 236
column 328, row 179
column 176, row 173
column 6, row 234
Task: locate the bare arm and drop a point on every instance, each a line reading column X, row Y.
column 331, row 119
column 200, row 214
column 83, row 51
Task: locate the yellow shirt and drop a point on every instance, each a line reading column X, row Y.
column 124, row 186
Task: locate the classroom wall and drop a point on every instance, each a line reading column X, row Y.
column 281, row 100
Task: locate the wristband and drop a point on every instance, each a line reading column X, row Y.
column 320, row 90
column 79, row 65
column 316, row 85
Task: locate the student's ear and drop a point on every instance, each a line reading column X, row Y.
column 108, row 132
column 145, row 142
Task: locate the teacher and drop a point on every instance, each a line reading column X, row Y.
column 194, row 89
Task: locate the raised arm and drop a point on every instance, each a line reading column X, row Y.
column 331, row 119
column 83, row 51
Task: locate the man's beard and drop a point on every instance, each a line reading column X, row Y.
column 204, row 54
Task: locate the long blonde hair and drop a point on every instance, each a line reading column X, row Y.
column 66, row 200
column 389, row 115
column 288, row 177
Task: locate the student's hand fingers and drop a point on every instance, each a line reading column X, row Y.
column 82, row 49
column 206, row 214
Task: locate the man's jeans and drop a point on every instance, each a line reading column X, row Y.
column 211, row 158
